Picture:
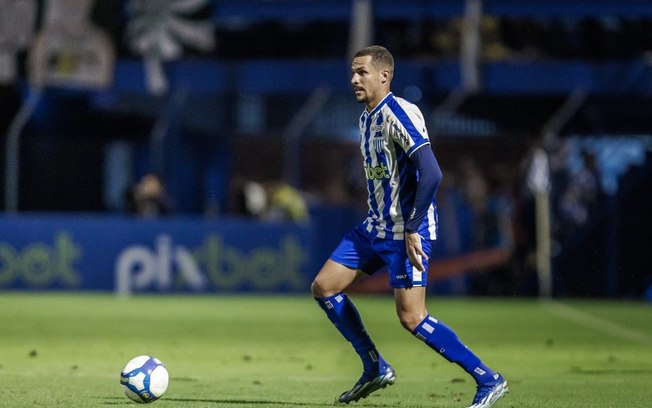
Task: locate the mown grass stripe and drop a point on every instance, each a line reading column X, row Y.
column 596, row 323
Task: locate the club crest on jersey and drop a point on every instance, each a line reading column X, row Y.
column 376, row 129
column 378, row 142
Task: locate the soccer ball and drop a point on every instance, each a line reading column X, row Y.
column 144, row 379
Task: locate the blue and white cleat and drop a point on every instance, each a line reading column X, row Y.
column 369, row 383
column 488, row 394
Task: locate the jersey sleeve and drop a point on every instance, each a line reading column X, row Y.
column 430, row 176
column 407, row 127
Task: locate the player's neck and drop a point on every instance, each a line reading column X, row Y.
column 373, row 104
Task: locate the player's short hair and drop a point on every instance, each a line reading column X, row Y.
column 380, row 57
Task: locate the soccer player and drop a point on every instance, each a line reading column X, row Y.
column 402, row 179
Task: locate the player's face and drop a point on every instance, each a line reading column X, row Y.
column 370, row 84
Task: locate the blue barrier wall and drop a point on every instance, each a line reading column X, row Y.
column 103, row 253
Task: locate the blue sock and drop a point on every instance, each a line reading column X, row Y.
column 343, row 314
column 444, row 341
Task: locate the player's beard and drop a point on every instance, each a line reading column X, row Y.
column 361, row 96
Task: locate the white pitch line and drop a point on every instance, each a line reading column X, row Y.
column 596, row 323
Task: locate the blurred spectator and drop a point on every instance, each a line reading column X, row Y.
column 578, row 201
column 559, row 179
column 271, row 201
column 285, row 203
column 493, row 46
column 17, row 22
column 70, row 51
column 580, row 263
column 476, row 209
column 524, row 231
column 149, row 197
column 475, row 191
column 498, row 209
column 455, row 216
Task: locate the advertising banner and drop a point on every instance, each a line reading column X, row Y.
column 127, row 255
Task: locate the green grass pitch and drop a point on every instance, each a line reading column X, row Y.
column 67, row 350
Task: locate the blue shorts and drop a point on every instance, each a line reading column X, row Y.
column 358, row 250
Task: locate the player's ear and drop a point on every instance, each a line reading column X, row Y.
column 384, row 77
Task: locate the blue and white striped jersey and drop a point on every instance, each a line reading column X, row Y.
column 390, row 133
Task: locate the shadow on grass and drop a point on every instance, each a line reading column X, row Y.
column 248, row 402
column 610, row 371
column 121, row 401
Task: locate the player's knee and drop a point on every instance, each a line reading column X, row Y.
column 317, row 289
column 409, row 320
column 332, row 279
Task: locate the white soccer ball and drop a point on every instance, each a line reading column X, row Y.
column 144, row 379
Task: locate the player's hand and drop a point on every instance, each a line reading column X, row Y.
column 414, row 250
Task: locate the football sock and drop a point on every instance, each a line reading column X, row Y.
column 444, row 341
column 343, row 314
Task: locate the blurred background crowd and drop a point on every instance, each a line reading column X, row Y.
column 538, row 111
